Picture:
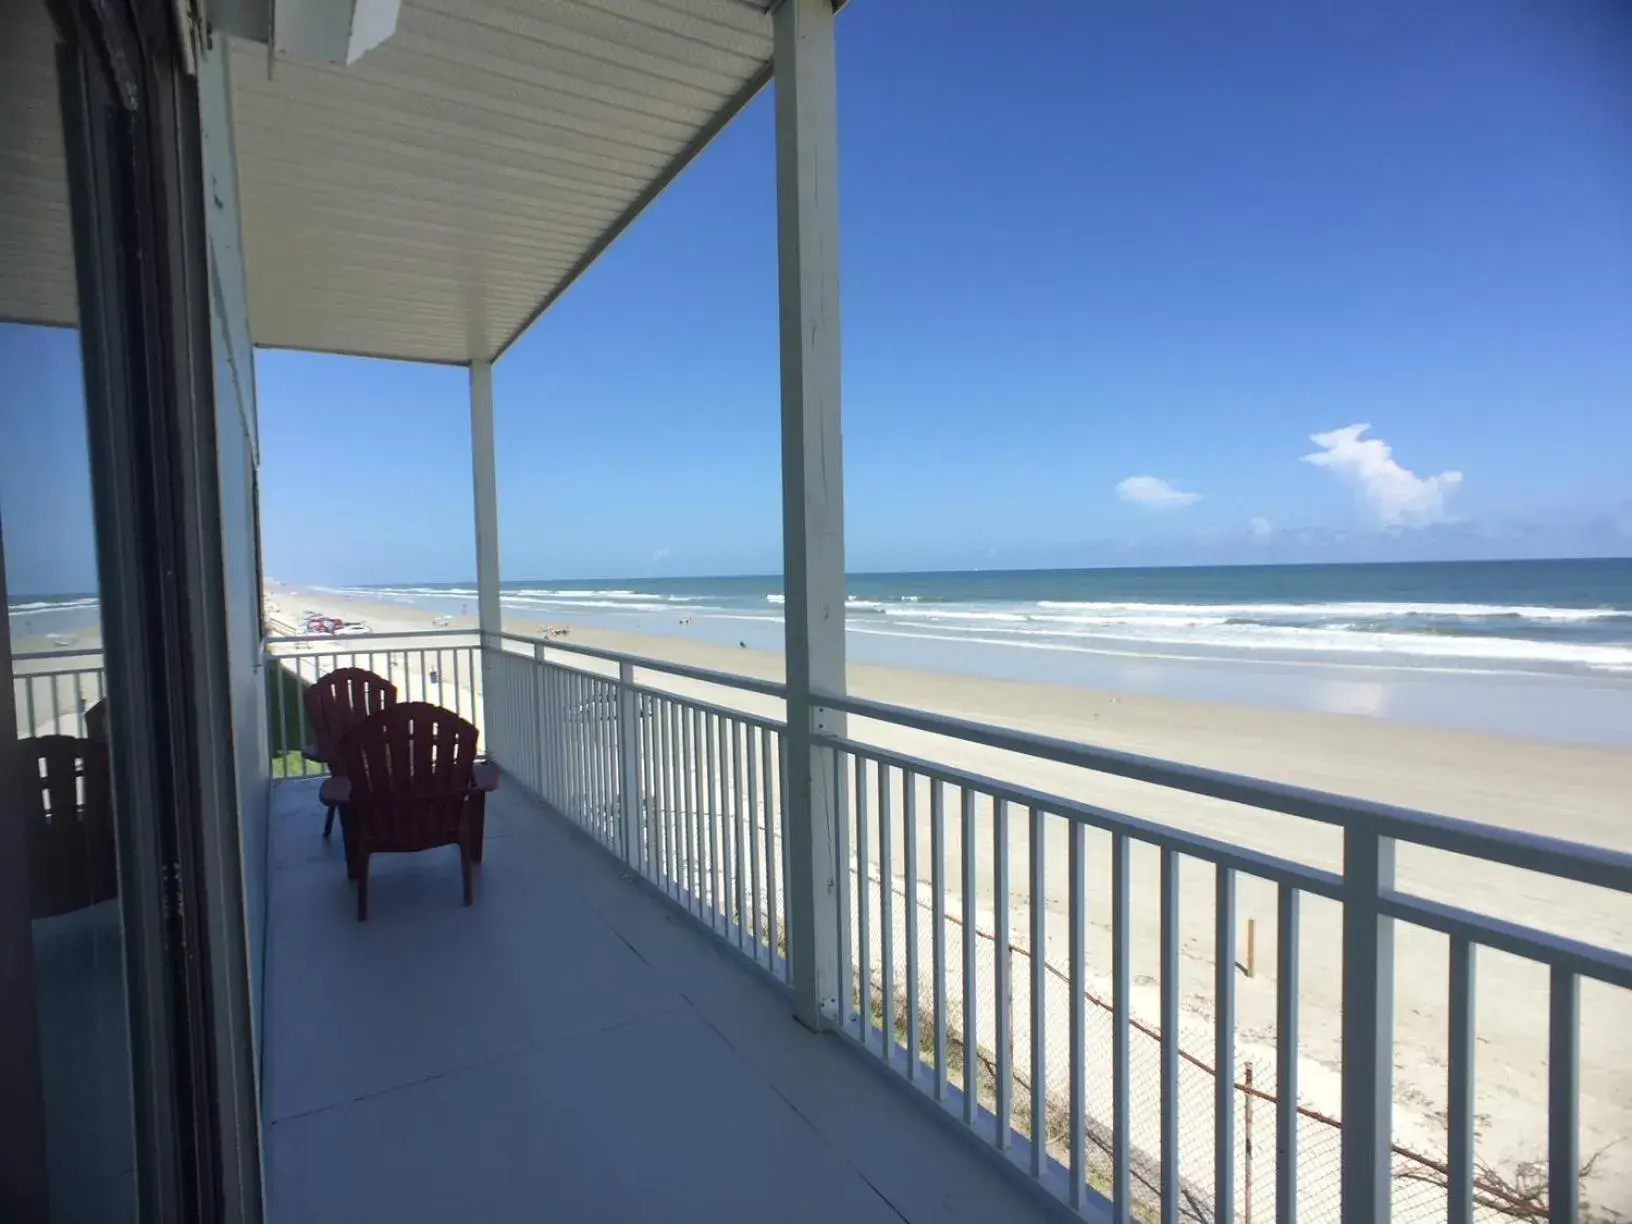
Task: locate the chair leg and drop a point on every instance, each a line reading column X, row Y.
column 465, row 871
column 478, row 825
column 348, row 839
column 362, row 889
column 328, row 821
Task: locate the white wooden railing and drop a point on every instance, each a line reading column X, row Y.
column 964, row 944
column 53, row 689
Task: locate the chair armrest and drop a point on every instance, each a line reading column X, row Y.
column 485, row 776
column 313, row 753
column 335, row 789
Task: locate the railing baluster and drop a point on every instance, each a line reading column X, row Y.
column 1170, row 1035
column 741, row 835
column 546, row 725
column 1003, row 1000
column 458, row 685
column 660, row 792
column 1078, row 922
column 886, row 912
column 909, row 837
column 864, row 888
column 275, row 677
column 671, row 825
column 1039, row 1015
column 300, row 710
column 568, row 743
column 772, row 924
column 730, row 814
column 79, row 706
column 694, row 822
column 711, row 754
column 538, row 750
column 1287, row 937
column 572, row 744
column 680, row 800
column 781, row 742
column 750, row 733
column 556, row 736
column 644, row 773
column 841, row 876
column 585, row 754
column 971, row 967
column 1563, row 1097
column 1121, row 987
column 1459, row 1097
column 664, row 849
column 937, row 935
column 589, row 766
column 1224, row 1046
column 610, row 739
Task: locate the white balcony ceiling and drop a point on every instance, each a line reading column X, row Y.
column 429, row 201
column 36, row 239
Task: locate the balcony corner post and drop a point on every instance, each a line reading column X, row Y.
column 489, row 622
column 812, row 487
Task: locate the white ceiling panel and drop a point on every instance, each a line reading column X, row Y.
column 429, row 201
column 36, row 243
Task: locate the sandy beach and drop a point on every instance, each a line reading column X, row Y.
column 1577, row 792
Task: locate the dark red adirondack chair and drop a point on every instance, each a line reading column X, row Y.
column 410, row 780
column 335, row 703
column 68, row 812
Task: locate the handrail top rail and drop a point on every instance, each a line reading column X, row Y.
column 278, row 639
column 708, row 675
column 75, row 653
column 1584, row 863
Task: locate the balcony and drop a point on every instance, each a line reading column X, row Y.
column 608, row 1028
column 570, row 1047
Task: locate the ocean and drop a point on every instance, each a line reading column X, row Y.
column 1541, row 649
column 1519, row 616
column 1537, row 648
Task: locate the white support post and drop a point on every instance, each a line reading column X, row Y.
column 487, row 522
column 812, row 486
column 1368, row 1027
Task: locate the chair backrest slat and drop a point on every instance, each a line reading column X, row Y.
column 339, row 700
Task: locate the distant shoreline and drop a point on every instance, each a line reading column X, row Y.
column 1535, row 650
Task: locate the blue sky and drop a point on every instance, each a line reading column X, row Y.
column 1081, row 244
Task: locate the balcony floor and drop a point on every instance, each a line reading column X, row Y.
column 570, row 1047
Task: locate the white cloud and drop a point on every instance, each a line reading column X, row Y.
column 1398, row 495
column 1153, row 491
column 1262, row 528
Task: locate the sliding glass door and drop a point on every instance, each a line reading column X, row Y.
column 126, row 1068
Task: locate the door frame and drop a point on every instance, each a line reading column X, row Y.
column 133, row 142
